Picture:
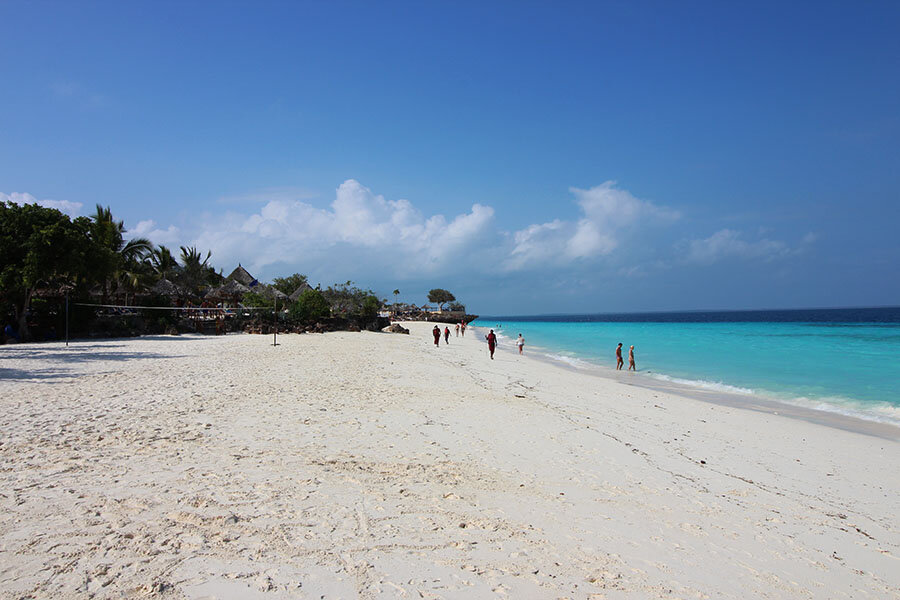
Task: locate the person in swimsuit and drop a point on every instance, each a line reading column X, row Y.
column 631, row 366
column 436, row 332
column 446, row 335
column 457, row 330
column 619, row 361
column 492, row 342
column 520, row 342
column 463, row 328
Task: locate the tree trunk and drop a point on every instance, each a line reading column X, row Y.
column 22, row 317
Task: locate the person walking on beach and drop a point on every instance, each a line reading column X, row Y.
column 520, row 342
column 457, row 330
column 631, row 366
column 446, row 335
column 437, row 335
column 492, row 342
column 463, row 328
column 619, row 361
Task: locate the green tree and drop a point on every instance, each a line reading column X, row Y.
column 116, row 262
column 196, row 273
column 441, row 297
column 257, row 300
column 39, row 246
column 288, row 285
column 311, row 305
column 370, row 306
column 346, row 299
column 164, row 263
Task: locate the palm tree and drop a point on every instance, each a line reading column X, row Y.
column 194, row 269
column 118, row 261
column 164, row 263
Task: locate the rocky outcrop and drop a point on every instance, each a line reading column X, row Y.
column 395, row 328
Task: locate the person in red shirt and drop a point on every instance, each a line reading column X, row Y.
column 437, row 335
column 446, row 335
column 492, row 342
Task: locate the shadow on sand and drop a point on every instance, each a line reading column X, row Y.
column 56, row 361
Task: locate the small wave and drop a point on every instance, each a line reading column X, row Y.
column 881, row 412
column 569, row 360
column 707, row 385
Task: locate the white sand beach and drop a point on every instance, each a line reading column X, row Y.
column 372, row 465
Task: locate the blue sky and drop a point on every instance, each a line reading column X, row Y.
column 531, row 157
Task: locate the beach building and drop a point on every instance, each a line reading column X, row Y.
column 231, row 291
column 295, row 295
column 243, row 277
column 272, row 293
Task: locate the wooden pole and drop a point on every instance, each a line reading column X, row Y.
column 275, row 337
column 67, row 318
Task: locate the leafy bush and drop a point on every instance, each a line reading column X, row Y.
column 370, row 307
column 311, row 305
column 255, row 300
column 348, row 300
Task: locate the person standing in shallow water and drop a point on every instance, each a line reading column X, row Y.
column 492, row 342
column 446, row 335
column 436, row 332
column 631, row 366
column 619, row 361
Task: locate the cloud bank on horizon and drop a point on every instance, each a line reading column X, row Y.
column 362, row 235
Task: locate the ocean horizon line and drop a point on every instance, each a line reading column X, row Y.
column 512, row 317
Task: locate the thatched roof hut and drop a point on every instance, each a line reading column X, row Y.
column 231, row 290
column 296, row 293
column 164, row 287
column 241, row 276
column 271, row 292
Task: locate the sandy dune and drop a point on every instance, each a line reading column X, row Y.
column 362, row 465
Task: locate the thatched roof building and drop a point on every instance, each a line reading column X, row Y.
column 231, row 290
column 164, row 287
column 296, row 293
column 241, row 276
column 271, row 292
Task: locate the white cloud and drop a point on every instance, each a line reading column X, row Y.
column 609, row 215
column 359, row 228
column 728, row 243
column 170, row 236
column 73, row 209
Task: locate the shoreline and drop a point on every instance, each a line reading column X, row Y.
column 749, row 400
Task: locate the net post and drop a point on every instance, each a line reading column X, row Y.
column 67, row 318
column 275, row 332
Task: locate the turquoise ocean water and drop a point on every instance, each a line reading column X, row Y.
column 839, row 360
